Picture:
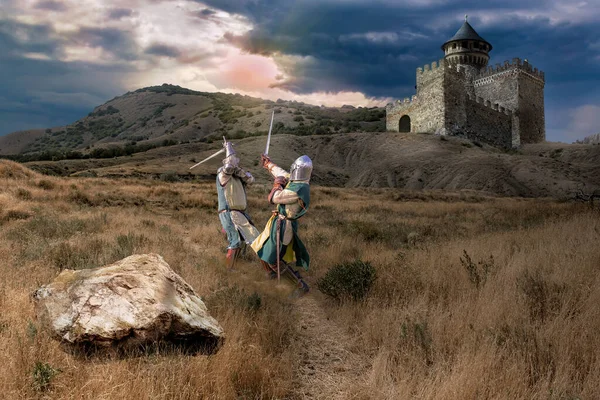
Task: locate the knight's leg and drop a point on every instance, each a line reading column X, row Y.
column 270, row 271
column 242, row 222
column 295, row 276
column 233, row 237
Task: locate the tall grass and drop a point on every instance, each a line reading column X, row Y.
column 475, row 297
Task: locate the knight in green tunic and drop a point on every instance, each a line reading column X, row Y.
column 280, row 241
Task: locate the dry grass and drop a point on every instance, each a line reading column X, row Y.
column 476, row 297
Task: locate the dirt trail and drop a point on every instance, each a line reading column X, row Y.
column 328, row 369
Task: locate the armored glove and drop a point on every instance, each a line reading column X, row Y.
column 265, row 160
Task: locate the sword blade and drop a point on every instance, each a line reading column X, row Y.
column 269, row 136
column 208, row 158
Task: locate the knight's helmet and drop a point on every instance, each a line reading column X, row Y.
column 231, row 158
column 301, row 169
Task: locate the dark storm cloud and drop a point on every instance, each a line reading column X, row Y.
column 114, row 40
column 163, row 50
column 51, row 5
column 38, row 93
column 16, row 38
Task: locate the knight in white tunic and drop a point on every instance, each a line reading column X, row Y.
column 232, row 204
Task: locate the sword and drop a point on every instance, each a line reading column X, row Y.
column 208, row 158
column 269, row 136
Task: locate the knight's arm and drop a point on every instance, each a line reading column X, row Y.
column 276, row 170
column 284, row 196
column 244, row 175
column 226, row 171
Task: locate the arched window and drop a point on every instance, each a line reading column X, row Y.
column 404, row 125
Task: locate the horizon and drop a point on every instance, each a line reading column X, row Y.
column 61, row 59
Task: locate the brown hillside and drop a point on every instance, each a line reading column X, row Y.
column 17, row 142
column 167, row 114
column 410, row 161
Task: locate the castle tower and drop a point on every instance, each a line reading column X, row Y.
column 467, row 48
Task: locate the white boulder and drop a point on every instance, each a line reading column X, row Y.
column 136, row 301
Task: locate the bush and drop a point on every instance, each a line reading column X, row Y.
column 169, row 176
column 43, row 373
column 24, row 194
column 351, row 280
column 46, row 184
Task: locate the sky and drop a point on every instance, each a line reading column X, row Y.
column 61, row 58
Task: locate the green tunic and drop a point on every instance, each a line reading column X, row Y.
column 266, row 244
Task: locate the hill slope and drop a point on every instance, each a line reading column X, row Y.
column 397, row 160
column 167, row 115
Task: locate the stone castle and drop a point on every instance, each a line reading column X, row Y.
column 460, row 95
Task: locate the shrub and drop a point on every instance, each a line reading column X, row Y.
column 478, row 272
column 46, row 184
column 351, row 280
column 16, row 215
column 43, row 373
column 169, row 176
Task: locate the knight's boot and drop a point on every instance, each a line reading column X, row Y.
column 232, row 255
column 269, row 270
column 295, row 276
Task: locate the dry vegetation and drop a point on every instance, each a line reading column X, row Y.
column 475, row 297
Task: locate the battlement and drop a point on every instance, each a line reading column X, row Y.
column 516, row 65
column 433, row 67
column 488, row 104
column 402, row 103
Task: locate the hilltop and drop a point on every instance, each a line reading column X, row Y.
column 167, row 115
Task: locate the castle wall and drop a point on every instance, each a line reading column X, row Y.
column 430, row 94
column 499, row 84
column 489, row 123
column 517, row 86
column 426, row 108
column 455, row 85
column 531, row 110
column 394, row 111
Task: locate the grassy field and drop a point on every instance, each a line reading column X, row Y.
column 475, row 298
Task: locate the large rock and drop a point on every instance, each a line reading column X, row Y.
column 136, row 301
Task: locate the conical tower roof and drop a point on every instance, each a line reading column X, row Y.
column 466, row 32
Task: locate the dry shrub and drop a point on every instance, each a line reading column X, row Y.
column 351, row 280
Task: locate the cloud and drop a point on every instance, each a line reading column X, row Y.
column 207, row 12
column 163, row 50
column 51, row 5
column 118, row 13
column 585, row 120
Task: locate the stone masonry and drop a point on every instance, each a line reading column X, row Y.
column 460, row 95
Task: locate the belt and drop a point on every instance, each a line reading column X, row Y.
column 222, row 211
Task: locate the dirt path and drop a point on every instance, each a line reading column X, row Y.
column 328, row 369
